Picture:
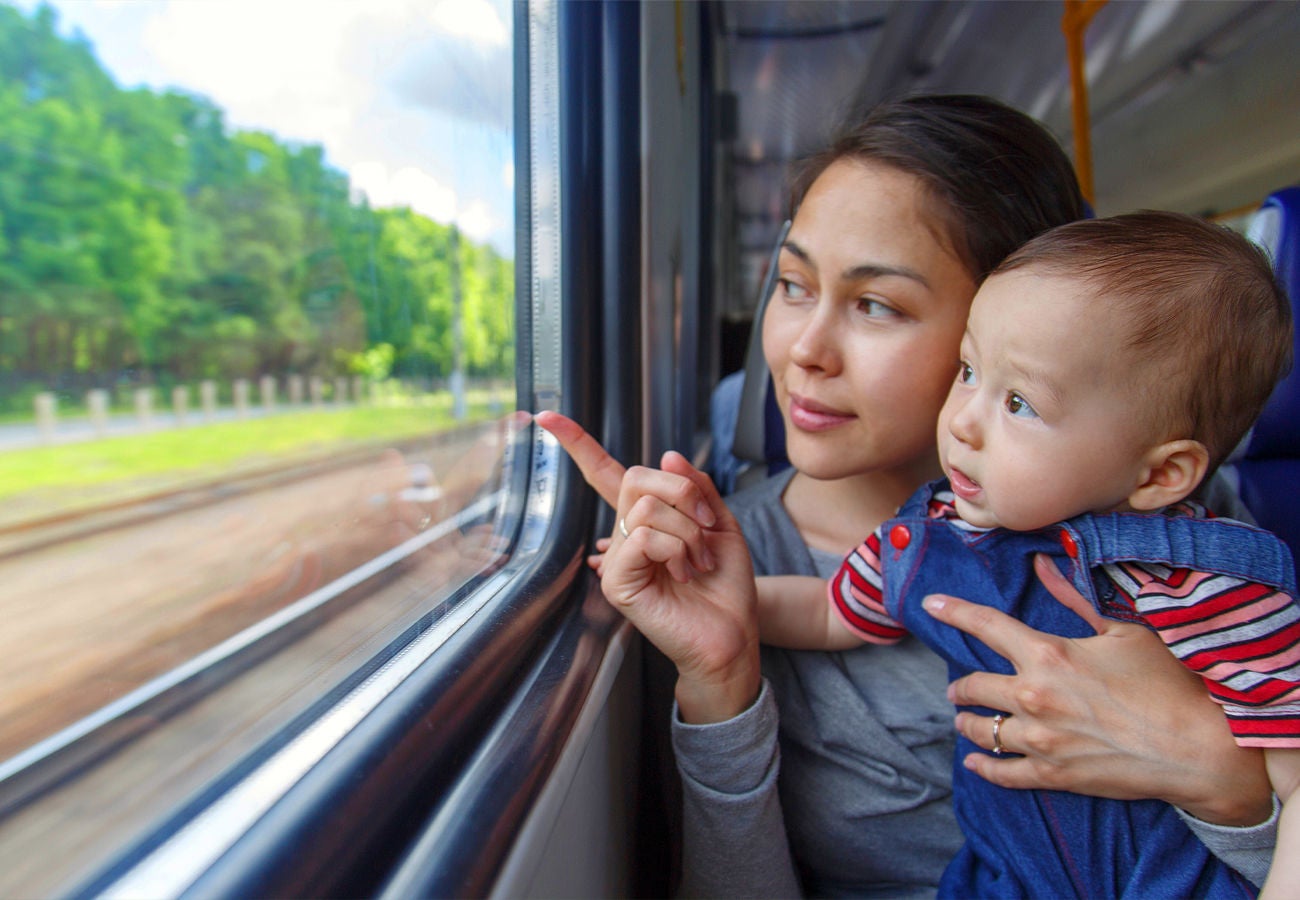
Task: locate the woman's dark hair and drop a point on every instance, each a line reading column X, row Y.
column 998, row 178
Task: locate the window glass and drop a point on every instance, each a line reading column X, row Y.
column 257, row 375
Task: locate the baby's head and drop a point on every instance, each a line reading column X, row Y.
column 1109, row 364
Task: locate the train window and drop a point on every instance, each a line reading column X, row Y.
column 257, row 375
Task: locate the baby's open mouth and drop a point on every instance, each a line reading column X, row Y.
column 963, row 485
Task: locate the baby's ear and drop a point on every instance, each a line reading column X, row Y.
column 1171, row 471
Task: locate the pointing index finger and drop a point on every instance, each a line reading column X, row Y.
column 600, row 470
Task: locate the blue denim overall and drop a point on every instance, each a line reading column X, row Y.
column 1052, row 843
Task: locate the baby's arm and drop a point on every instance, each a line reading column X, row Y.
column 1284, row 876
column 794, row 612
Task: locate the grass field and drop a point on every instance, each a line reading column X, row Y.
column 36, row 481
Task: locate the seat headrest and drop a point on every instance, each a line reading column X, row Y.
column 1276, row 228
column 753, row 441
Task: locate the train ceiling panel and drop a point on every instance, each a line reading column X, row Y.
column 1172, row 84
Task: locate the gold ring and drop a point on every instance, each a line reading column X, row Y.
column 622, row 527
column 998, row 749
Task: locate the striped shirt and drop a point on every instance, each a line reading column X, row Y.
column 1241, row 637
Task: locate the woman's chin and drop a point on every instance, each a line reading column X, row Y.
column 823, row 463
column 838, row 460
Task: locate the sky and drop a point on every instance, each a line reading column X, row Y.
column 411, row 98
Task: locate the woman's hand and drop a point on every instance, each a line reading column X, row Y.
column 682, row 575
column 600, row 470
column 1115, row 715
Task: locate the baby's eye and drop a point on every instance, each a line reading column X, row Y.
column 1019, row 406
column 792, row 289
column 965, row 374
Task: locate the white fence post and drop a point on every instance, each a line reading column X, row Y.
column 181, row 402
column 144, row 406
column 241, row 398
column 47, row 405
column 97, row 406
column 208, row 398
column 266, row 387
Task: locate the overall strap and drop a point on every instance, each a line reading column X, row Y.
column 1221, row 546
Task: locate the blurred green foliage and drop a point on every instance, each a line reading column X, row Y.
column 143, row 240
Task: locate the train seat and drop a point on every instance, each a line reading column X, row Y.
column 1267, row 467
column 745, row 448
column 748, row 433
column 723, row 465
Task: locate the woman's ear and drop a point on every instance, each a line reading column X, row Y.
column 1172, row 470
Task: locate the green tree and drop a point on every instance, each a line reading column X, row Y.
column 139, row 232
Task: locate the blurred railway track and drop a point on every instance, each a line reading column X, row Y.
column 100, row 601
column 38, row 532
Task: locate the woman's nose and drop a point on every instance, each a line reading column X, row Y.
column 817, row 346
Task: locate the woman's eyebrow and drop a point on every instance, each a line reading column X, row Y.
column 864, row 270
column 877, row 270
column 800, row 252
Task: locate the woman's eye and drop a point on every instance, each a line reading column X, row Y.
column 965, row 374
column 876, row 308
column 792, row 290
column 1019, row 406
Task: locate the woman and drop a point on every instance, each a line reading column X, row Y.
column 895, row 225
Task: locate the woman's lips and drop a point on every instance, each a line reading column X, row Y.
column 963, row 486
column 809, row 415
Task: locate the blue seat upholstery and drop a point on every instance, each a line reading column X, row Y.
column 732, row 468
column 1269, row 468
column 723, row 465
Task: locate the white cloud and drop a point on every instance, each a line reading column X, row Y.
column 410, row 99
column 407, row 186
column 424, row 194
column 477, row 221
column 272, row 65
column 473, row 19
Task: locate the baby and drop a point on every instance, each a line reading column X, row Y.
column 1107, row 366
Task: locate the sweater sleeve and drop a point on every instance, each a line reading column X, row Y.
column 734, row 841
column 1249, row 850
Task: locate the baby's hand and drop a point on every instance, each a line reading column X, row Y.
column 597, row 560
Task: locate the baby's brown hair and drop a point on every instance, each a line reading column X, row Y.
column 1206, row 312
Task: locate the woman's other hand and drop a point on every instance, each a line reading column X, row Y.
column 1115, row 715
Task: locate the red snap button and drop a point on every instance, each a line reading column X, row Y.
column 1071, row 548
column 900, row 537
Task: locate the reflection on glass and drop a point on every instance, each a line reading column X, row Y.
column 256, row 331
